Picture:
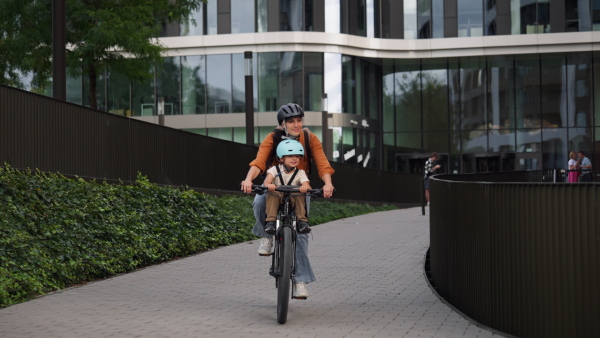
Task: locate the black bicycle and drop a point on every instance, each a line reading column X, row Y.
column 284, row 254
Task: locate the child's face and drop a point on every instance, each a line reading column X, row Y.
column 291, row 161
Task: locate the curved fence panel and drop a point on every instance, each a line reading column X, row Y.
column 522, row 258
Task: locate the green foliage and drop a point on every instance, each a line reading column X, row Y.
column 56, row 231
column 98, row 33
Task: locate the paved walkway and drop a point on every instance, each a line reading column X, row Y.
column 370, row 283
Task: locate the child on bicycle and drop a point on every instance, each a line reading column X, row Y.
column 287, row 172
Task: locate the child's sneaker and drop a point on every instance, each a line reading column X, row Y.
column 270, row 227
column 266, row 246
column 303, row 227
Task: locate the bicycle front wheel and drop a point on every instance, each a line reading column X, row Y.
column 285, row 276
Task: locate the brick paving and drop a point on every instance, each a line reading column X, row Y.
column 370, row 283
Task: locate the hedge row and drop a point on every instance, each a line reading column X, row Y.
column 57, row 231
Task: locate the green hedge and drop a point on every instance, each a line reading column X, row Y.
column 57, row 231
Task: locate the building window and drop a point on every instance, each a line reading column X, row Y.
column 470, row 18
column 193, row 84
column 193, row 25
column 268, row 81
column 490, row 17
column 218, row 76
column 242, row 16
column 530, row 16
column 291, row 15
column 578, row 16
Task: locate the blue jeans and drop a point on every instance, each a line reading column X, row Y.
column 304, row 272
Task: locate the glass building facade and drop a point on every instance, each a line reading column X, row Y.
column 491, row 85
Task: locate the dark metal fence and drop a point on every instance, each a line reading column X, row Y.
column 39, row 132
column 522, row 258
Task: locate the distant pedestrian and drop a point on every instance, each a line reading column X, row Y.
column 431, row 167
column 573, row 168
column 586, row 168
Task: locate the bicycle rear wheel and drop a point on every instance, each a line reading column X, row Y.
column 285, row 278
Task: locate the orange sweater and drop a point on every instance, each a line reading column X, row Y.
column 316, row 151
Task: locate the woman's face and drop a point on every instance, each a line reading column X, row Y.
column 294, row 126
column 573, row 156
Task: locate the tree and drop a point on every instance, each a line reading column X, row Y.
column 101, row 35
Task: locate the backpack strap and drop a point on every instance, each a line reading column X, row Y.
column 307, row 151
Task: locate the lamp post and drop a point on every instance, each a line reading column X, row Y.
column 249, row 98
column 327, row 142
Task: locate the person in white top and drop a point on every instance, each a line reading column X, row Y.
column 289, row 153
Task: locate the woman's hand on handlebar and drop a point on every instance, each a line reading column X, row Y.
column 247, row 186
column 328, row 190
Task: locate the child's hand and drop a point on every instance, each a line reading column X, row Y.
column 304, row 188
column 271, row 187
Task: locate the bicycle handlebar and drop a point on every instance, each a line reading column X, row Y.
column 261, row 189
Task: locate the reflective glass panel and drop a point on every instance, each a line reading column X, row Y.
column 434, row 84
column 348, row 84
column 332, row 67
column 580, row 139
column 474, row 141
column 554, row 86
column 218, row 77
column 424, row 19
column 74, row 89
column 435, row 141
column 261, row 16
column 290, row 72
column 359, row 93
column 193, row 83
column 238, row 81
column 118, row 94
column 501, row 140
column 221, row 133
column 193, row 24
column 408, row 142
column 437, row 14
column 596, row 15
column 291, row 15
column 529, row 140
column 470, row 17
column 168, row 85
column 533, row 16
column 596, row 87
column 408, row 95
column 211, row 18
column 490, row 17
column 555, row 148
column 313, row 81
column 242, row 16
column 410, row 19
column 527, row 87
column 332, row 19
column 577, row 16
column 579, row 86
column 389, row 152
column 473, row 94
column 388, row 96
column 268, row 81
column 454, row 92
column 372, row 91
column 500, row 100
column 142, row 94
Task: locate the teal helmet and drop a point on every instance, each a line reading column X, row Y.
column 289, row 147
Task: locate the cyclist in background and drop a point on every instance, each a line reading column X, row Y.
column 290, row 127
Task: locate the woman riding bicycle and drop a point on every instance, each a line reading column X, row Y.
column 290, row 127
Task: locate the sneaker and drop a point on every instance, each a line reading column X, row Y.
column 270, row 227
column 303, row 227
column 266, row 246
column 300, row 291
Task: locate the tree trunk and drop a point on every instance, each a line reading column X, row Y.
column 93, row 84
